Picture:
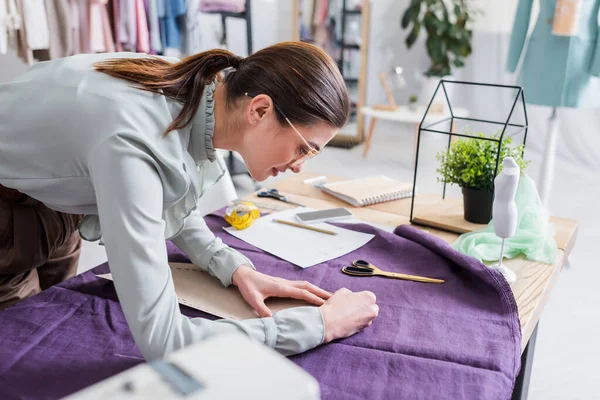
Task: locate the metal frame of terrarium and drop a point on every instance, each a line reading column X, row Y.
column 452, row 118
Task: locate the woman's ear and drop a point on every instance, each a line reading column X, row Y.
column 260, row 106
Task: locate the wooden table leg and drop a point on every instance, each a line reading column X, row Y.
column 369, row 136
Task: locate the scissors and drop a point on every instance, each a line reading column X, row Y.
column 365, row 268
column 274, row 194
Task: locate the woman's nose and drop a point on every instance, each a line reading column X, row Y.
column 297, row 168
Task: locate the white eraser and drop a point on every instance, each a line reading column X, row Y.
column 316, row 180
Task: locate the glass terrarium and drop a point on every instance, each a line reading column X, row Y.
column 467, row 130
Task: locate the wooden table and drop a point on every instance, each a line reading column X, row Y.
column 535, row 280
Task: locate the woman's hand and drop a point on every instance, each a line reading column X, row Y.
column 255, row 287
column 347, row 313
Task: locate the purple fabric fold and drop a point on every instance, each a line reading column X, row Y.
column 457, row 340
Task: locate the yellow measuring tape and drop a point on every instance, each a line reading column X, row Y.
column 242, row 215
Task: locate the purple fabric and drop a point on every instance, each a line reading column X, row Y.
column 458, row 340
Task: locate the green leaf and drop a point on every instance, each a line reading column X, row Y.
column 446, row 69
column 434, row 48
column 448, row 41
column 463, row 51
column 471, row 162
column 429, row 21
column 445, row 11
column 414, row 34
column 453, row 46
column 453, row 31
column 407, row 17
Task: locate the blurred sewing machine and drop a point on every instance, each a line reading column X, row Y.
column 225, row 367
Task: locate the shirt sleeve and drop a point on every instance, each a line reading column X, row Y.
column 130, row 202
column 519, row 34
column 208, row 251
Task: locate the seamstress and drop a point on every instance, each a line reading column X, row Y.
column 120, row 146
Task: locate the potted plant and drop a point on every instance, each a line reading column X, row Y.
column 470, row 164
column 412, row 102
column 448, row 43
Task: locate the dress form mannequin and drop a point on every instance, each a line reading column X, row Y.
column 562, row 55
column 547, row 171
column 505, row 209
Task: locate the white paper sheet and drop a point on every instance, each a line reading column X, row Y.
column 301, row 247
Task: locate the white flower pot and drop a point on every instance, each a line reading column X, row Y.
column 428, row 87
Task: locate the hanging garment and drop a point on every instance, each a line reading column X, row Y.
column 110, row 12
column 307, row 8
column 143, row 36
column 12, row 19
column 83, row 8
column 556, row 69
column 153, row 25
column 100, row 35
column 127, row 25
column 115, row 25
column 23, row 50
column 170, row 30
column 192, row 37
column 237, row 6
column 96, row 31
column 3, row 27
column 34, row 15
column 101, row 39
column 59, row 26
column 75, row 35
column 109, row 42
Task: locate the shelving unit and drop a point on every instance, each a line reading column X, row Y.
column 350, row 81
column 348, row 141
column 235, row 166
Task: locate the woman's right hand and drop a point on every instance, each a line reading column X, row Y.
column 347, row 313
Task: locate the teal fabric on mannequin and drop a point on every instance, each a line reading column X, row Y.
column 556, row 69
column 533, row 238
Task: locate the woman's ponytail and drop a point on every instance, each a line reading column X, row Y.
column 183, row 81
column 304, row 82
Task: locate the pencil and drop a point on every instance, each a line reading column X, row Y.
column 312, row 228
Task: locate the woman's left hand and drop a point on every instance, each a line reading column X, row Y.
column 255, row 287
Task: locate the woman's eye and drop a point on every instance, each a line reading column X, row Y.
column 303, row 151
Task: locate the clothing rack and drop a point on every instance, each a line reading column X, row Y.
column 235, row 166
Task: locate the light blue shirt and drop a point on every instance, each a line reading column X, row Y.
column 83, row 142
column 169, row 13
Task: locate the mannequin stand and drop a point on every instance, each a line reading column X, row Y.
column 547, row 171
column 509, row 275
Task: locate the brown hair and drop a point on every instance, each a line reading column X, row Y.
column 301, row 79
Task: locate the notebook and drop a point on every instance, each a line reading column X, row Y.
column 366, row 191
